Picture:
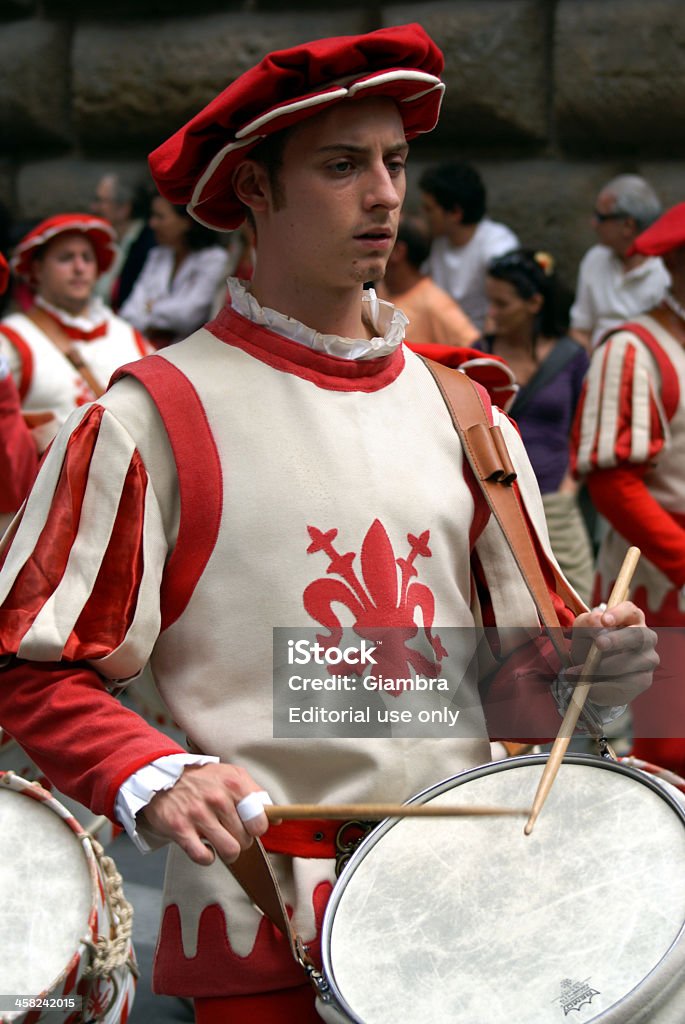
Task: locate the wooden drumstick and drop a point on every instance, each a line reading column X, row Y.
column 579, row 696
column 373, row 812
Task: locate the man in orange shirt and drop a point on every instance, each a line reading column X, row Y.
column 434, row 316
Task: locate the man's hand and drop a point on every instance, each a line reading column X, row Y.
column 201, row 807
column 628, row 650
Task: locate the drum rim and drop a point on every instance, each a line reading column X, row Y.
column 23, row 787
column 490, row 768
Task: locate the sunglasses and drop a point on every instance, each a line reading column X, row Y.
column 602, row 217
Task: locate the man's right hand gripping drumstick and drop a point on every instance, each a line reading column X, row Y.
column 201, row 808
column 628, row 658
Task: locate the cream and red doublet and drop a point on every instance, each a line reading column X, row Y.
column 629, row 443
column 45, row 378
column 312, row 491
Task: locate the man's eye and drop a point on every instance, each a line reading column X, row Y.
column 395, row 166
column 341, row 166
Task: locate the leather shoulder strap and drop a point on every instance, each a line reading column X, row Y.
column 486, row 452
column 51, row 329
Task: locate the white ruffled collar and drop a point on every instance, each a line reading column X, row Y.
column 389, row 322
column 94, row 316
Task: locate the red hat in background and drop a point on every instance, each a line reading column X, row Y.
column 4, row 274
column 195, row 166
column 665, row 234
column 100, row 233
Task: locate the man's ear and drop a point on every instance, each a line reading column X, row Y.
column 252, row 187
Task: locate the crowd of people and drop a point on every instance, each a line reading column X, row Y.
column 177, row 515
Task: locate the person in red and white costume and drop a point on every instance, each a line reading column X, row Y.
column 18, row 452
column 63, row 350
column 629, row 446
column 290, row 464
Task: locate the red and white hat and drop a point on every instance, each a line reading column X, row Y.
column 195, row 166
column 4, row 274
column 100, row 233
column 665, row 234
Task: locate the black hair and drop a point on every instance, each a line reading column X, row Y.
column 456, row 185
column 269, row 153
column 416, row 238
column 530, row 273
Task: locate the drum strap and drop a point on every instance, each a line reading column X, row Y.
column 486, row 452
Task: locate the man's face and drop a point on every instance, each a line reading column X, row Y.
column 65, row 272
column 435, row 215
column 106, row 206
column 341, row 187
column 615, row 230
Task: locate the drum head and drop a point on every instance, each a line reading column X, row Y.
column 45, row 894
column 467, row 920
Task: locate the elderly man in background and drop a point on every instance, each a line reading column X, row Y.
column 465, row 240
column 127, row 208
column 614, row 281
column 434, row 316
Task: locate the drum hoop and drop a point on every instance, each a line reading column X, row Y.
column 34, row 791
column 491, row 768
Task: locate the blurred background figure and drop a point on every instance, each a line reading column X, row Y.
column 615, row 282
column 434, row 316
column 176, row 290
column 453, row 201
column 127, row 208
column 629, row 444
column 62, row 351
column 18, row 451
column 529, row 334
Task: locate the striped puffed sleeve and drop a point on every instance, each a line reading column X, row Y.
column 81, row 575
column 620, row 418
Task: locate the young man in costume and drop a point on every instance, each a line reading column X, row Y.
column 63, row 350
column 629, row 446
column 277, row 468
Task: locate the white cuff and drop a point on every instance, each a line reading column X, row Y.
column 138, row 790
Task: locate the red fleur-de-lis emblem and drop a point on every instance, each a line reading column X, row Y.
column 383, row 602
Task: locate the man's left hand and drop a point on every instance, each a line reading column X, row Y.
column 628, row 650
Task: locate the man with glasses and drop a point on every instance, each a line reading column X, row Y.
column 613, row 283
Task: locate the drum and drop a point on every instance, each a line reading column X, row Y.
column 65, row 925
column 14, row 759
column 467, row 920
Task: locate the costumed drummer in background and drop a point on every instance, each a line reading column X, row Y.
column 281, row 467
column 629, row 445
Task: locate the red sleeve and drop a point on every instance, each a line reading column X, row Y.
column 18, row 452
column 82, row 738
column 622, row 497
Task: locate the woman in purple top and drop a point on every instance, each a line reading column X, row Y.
column 529, row 333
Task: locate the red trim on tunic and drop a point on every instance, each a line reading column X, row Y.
column 328, row 372
column 25, row 355
column 215, row 969
column 670, row 386
column 78, row 333
column 200, row 478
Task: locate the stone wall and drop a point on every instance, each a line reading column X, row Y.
column 549, row 98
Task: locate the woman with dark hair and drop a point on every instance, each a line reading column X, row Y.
column 528, row 332
column 175, row 291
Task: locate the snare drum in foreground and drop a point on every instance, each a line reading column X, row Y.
column 467, row 920
column 64, row 925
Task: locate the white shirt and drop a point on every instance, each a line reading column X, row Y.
column 608, row 295
column 179, row 302
column 461, row 269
